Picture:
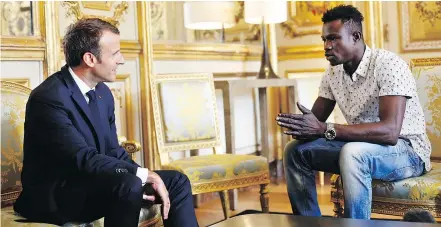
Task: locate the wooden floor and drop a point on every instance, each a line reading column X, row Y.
column 211, row 211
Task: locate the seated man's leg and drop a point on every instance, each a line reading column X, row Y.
column 300, row 161
column 360, row 162
column 116, row 197
column 181, row 209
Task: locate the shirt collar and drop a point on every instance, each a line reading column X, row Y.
column 84, row 88
column 364, row 64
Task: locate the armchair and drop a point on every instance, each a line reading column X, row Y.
column 395, row 198
column 184, row 109
column 13, row 106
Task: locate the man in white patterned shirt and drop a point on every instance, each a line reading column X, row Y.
column 386, row 133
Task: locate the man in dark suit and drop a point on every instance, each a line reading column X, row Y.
column 73, row 168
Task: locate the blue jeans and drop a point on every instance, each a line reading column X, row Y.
column 357, row 163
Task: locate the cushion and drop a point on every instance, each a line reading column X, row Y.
column 206, row 168
column 422, row 189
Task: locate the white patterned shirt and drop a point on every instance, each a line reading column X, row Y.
column 380, row 73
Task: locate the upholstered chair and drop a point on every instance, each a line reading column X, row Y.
column 13, row 106
column 395, row 198
column 185, row 115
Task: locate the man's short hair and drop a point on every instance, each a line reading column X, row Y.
column 84, row 36
column 348, row 15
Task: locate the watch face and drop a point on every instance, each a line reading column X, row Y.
column 330, row 134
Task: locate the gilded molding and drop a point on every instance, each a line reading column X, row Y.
column 74, row 9
column 22, row 81
column 425, row 62
column 150, row 150
column 125, row 78
column 300, row 52
column 105, row 5
column 374, row 24
column 313, row 70
column 53, row 56
column 27, row 48
column 130, row 48
column 212, row 51
column 8, row 85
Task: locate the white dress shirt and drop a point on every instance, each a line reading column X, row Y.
column 142, row 173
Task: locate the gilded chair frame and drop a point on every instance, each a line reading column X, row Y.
column 390, row 206
column 164, row 148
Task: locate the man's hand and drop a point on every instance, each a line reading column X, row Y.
column 160, row 190
column 301, row 126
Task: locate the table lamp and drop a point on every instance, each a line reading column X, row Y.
column 265, row 12
column 209, row 15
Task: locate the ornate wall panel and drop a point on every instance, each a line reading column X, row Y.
column 420, row 26
column 122, row 94
column 16, row 19
column 159, row 20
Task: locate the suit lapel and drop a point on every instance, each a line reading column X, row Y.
column 79, row 99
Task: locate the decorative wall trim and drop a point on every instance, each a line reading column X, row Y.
column 300, row 52
column 235, row 75
column 27, row 48
column 150, row 154
column 426, row 44
column 74, row 9
column 22, row 81
column 198, row 51
column 314, row 70
column 425, row 62
column 125, row 78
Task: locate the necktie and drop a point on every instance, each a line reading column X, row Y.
column 96, row 119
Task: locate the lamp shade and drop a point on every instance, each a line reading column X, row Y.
column 209, row 15
column 271, row 12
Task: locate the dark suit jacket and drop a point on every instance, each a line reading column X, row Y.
column 61, row 145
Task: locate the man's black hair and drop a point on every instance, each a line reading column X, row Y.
column 348, row 15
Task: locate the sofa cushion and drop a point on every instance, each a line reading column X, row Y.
column 205, row 168
column 422, row 189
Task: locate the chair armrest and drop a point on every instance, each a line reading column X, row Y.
column 130, row 146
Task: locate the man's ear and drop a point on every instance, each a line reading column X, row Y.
column 89, row 59
column 357, row 36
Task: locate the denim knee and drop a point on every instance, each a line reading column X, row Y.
column 351, row 154
column 291, row 150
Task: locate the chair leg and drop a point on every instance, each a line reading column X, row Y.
column 225, row 203
column 264, row 199
column 337, row 196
